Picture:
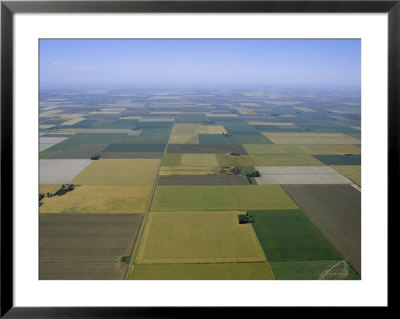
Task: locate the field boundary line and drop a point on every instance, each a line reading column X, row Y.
column 136, row 241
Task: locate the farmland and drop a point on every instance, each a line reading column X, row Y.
column 218, row 184
column 190, row 237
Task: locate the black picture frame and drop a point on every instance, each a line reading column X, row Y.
column 9, row 8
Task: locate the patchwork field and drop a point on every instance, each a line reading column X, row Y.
column 241, row 197
column 217, row 271
column 100, row 199
column 197, row 237
column 188, row 133
column 163, row 178
column 119, row 172
column 85, row 247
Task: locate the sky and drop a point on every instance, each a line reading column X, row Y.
column 205, row 62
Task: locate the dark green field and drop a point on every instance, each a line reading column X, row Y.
column 288, row 235
column 339, row 159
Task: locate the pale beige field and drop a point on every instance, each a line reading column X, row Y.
column 119, row 172
column 201, row 159
column 73, row 121
column 100, row 200
column 46, row 126
column 189, row 170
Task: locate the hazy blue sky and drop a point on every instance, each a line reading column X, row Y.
column 191, row 62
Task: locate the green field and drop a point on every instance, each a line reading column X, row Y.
column 313, row 270
column 268, row 149
column 217, row 271
column 288, row 235
column 242, row 197
column 98, row 138
column 135, row 148
column 197, row 237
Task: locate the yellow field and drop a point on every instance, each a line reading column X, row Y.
column 304, row 109
column 45, row 126
column 119, row 172
column 189, row 170
column 215, row 271
column 69, row 116
column 188, row 133
column 202, row 159
column 352, row 172
column 73, row 121
column 357, row 128
column 198, row 237
column 100, row 200
column 330, row 149
column 245, row 111
column 231, row 161
column 49, row 113
column 49, row 188
column 311, row 138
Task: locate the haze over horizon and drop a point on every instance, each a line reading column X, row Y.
column 200, row 62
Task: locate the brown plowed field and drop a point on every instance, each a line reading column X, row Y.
column 75, row 246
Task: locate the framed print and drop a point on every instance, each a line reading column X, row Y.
column 196, row 154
